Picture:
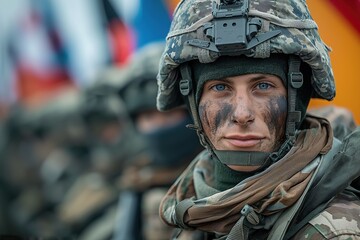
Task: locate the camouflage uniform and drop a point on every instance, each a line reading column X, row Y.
column 204, row 31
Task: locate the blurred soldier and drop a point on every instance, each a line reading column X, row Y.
column 33, row 135
column 87, row 203
column 170, row 147
column 113, row 136
column 247, row 70
column 6, row 223
column 64, row 163
column 340, row 118
column 342, row 122
column 20, row 163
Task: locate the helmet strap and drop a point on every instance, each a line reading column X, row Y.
column 186, row 89
column 295, row 81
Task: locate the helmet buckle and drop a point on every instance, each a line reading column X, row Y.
column 296, row 79
column 185, row 87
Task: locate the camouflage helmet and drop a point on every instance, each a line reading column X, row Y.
column 100, row 101
column 205, row 30
column 282, row 26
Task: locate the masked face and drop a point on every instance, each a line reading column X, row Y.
column 170, row 143
column 152, row 120
column 244, row 113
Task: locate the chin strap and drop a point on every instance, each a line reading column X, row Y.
column 263, row 159
column 242, row 158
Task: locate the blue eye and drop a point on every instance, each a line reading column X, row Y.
column 263, row 86
column 219, row 87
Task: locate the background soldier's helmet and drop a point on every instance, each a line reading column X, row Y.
column 139, row 92
column 139, row 95
column 280, row 26
column 113, row 137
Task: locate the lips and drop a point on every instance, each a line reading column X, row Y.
column 243, row 141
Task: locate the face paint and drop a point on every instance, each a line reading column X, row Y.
column 275, row 117
column 203, row 109
column 241, row 116
column 223, row 115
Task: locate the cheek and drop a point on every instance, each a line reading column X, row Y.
column 224, row 114
column 214, row 115
column 206, row 115
column 275, row 115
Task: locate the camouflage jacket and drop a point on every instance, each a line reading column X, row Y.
column 340, row 220
column 330, row 209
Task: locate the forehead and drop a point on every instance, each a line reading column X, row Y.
column 248, row 78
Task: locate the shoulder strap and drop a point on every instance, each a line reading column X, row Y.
column 280, row 227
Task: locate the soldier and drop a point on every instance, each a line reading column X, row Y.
column 21, row 156
column 247, row 71
column 170, row 148
column 61, row 155
column 87, row 204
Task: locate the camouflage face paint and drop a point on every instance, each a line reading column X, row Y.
column 214, row 115
column 204, row 111
column 224, row 114
column 241, row 110
column 275, row 118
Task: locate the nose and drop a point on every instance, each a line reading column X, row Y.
column 243, row 114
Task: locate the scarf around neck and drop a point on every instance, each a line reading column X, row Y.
column 268, row 192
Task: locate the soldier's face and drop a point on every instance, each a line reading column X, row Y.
column 244, row 113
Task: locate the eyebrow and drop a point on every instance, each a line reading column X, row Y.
column 261, row 76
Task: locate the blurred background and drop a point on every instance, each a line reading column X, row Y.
column 339, row 26
column 60, row 62
column 47, row 46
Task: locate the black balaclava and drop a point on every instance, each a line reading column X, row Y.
column 172, row 146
